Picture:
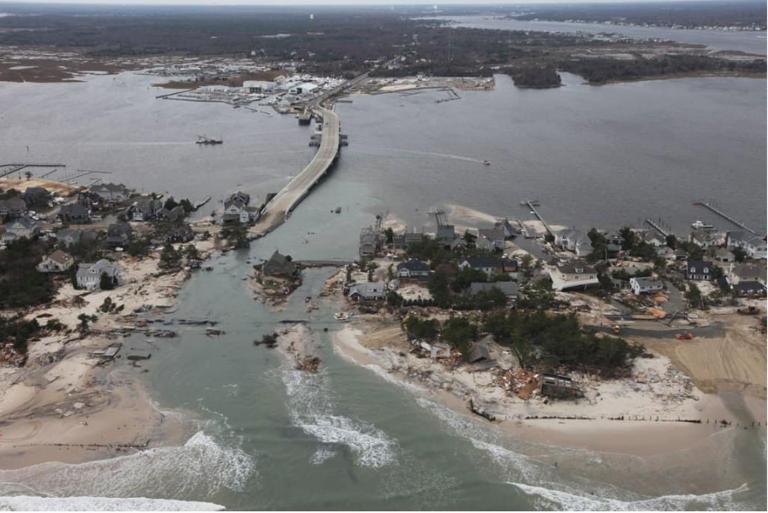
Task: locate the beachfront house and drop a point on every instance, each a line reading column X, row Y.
column 698, row 270
column 88, row 276
column 643, row 285
column 572, row 275
column 57, row 262
column 413, row 269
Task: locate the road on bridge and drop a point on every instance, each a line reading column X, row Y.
column 280, row 207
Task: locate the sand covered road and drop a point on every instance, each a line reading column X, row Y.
column 735, row 360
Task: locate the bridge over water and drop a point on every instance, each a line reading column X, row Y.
column 280, row 207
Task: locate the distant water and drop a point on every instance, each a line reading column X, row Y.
column 742, row 41
column 594, row 156
column 267, row 437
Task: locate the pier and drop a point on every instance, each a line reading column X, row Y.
column 731, row 219
column 4, row 171
column 530, row 204
column 656, row 225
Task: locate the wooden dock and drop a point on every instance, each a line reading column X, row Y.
column 656, row 225
column 725, row 216
column 530, row 205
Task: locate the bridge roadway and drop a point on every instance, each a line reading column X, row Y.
column 280, row 207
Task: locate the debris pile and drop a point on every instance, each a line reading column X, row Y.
column 308, row 364
column 521, row 382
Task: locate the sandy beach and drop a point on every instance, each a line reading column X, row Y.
column 68, row 405
column 657, row 391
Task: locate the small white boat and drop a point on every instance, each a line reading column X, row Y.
column 341, row 316
column 700, row 225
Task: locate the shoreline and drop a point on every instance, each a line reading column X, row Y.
column 628, row 437
column 65, row 404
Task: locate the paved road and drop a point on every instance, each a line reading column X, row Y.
column 277, row 210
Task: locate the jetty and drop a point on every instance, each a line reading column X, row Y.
column 712, row 208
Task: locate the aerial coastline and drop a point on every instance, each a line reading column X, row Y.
column 385, row 320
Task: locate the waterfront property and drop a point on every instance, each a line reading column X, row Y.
column 89, row 276
column 145, row 208
column 753, row 245
column 236, row 209
column 110, row 193
column 368, row 291
column 279, row 265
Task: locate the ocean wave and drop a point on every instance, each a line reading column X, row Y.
column 197, row 470
column 312, row 411
column 322, row 455
column 30, row 503
column 548, row 497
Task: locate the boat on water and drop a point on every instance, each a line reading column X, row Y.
column 208, row 141
column 700, row 225
column 341, row 316
column 486, row 162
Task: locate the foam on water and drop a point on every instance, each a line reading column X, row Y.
column 197, row 470
column 548, row 498
column 516, row 464
column 30, row 503
column 312, row 411
column 322, row 455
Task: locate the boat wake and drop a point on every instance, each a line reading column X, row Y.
column 313, row 412
column 197, row 470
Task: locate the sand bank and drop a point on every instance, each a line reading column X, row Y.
column 665, row 394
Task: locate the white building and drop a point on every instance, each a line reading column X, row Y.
column 89, row 275
column 303, row 88
column 572, row 275
column 642, row 285
column 258, row 86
